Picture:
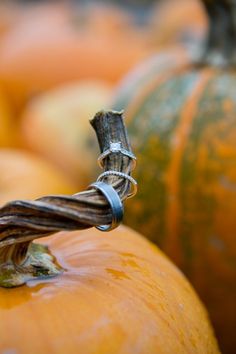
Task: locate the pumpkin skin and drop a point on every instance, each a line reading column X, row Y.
column 48, row 48
column 8, row 131
column 149, row 73
column 9, row 16
column 182, row 127
column 119, row 294
column 66, row 111
column 27, row 176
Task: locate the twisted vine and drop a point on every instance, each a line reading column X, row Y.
column 22, row 221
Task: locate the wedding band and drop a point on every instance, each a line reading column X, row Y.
column 115, row 203
column 122, row 175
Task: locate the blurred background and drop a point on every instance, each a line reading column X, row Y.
column 60, row 63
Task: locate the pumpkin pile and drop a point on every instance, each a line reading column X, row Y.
column 58, row 65
column 173, row 74
column 50, row 44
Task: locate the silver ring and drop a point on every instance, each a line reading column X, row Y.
column 115, row 203
column 122, row 175
column 116, row 148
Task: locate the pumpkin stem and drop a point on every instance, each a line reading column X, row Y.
column 26, row 261
column 219, row 48
column 23, row 221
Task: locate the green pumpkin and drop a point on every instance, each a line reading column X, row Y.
column 181, row 117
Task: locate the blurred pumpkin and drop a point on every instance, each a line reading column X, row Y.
column 181, row 121
column 9, row 15
column 56, row 125
column 45, row 48
column 119, row 294
column 27, row 176
column 8, row 127
column 174, row 21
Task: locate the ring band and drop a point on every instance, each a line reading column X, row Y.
column 115, row 203
column 116, row 148
column 122, row 175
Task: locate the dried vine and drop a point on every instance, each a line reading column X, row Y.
column 21, row 222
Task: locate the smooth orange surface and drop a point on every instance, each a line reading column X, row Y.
column 118, row 294
column 56, row 125
column 7, row 124
column 9, row 16
column 27, row 176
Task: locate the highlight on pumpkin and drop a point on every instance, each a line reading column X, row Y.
column 169, row 65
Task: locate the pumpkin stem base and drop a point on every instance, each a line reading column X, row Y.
column 39, row 264
column 219, row 49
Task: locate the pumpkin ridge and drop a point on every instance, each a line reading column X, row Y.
column 179, row 140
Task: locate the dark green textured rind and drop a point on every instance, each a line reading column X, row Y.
column 206, row 224
column 150, row 132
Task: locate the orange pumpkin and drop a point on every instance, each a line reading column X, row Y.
column 181, row 121
column 46, row 48
column 9, row 16
column 177, row 21
column 27, row 176
column 119, row 294
column 56, row 125
column 8, row 127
